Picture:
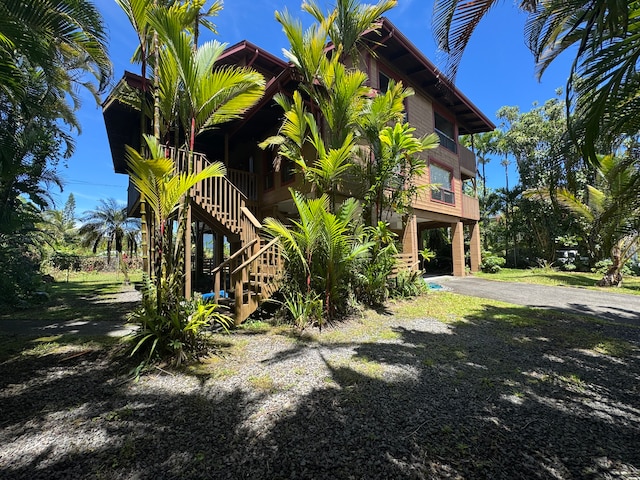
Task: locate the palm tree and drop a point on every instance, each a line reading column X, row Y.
column 49, row 35
column 321, row 250
column 206, row 96
column 165, row 189
column 602, row 87
column 109, row 225
column 610, row 225
column 348, row 21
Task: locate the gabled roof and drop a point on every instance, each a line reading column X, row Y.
column 404, row 57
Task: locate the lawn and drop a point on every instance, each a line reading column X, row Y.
column 547, row 276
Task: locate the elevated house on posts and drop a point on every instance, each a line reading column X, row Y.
column 230, row 254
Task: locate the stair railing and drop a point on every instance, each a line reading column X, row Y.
column 256, row 280
column 222, row 273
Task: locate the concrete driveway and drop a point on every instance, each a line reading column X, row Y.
column 604, row 304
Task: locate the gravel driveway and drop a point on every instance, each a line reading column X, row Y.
column 497, row 396
column 604, row 304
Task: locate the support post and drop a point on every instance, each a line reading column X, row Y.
column 474, row 247
column 457, row 248
column 187, row 255
column 410, row 239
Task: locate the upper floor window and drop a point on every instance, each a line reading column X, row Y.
column 446, row 131
column 441, row 178
column 383, row 82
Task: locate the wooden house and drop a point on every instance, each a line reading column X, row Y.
column 232, row 207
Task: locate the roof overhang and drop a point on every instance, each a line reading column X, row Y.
column 404, row 57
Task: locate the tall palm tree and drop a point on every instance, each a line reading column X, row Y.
column 109, row 225
column 203, row 96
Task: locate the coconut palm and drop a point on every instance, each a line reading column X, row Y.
column 108, row 225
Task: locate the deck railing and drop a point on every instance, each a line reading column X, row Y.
column 470, row 207
column 467, row 161
column 405, row 262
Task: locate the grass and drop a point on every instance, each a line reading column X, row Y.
column 82, row 298
column 548, row 276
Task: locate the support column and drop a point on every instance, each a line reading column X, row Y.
column 187, row 254
column 410, row 239
column 474, row 247
column 457, row 248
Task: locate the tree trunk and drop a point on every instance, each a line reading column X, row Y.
column 613, row 277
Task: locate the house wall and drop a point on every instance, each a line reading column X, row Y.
column 420, row 114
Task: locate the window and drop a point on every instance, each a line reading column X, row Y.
column 447, row 132
column 383, row 82
column 442, row 178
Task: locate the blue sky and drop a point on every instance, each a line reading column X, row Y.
column 497, row 69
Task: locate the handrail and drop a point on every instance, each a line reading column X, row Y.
column 260, row 252
column 233, row 257
column 256, row 223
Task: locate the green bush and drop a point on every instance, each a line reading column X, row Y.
column 174, row 333
column 603, row 266
column 492, row 263
column 20, row 272
column 408, row 284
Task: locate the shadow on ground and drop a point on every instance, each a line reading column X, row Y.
column 495, row 397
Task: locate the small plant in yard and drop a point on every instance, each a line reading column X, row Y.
column 492, row 263
column 304, row 310
column 173, row 332
column 408, row 284
column 263, row 382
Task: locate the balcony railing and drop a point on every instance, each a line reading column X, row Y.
column 467, row 161
column 446, row 141
column 470, row 207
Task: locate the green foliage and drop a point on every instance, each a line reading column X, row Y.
column 373, row 281
column 322, row 250
column 66, row 261
column 492, row 263
column 175, row 331
column 304, row 310
column 408, row 284
column 603, row 266
column 20, row 259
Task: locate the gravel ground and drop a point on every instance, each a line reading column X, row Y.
column 494, row 397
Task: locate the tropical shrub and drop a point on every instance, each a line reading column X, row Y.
column 492, row 263
column 174, row 331
column 303, row 310
column 322, row 250
column 408, row 284
column 373, row 280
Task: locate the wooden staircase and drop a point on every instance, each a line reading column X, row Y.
column 252, row 274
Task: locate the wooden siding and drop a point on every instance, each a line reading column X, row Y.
column 470, row 208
